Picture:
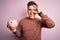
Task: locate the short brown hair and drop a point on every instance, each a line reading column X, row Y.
column 31, row 3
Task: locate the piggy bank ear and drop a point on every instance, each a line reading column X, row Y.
column 9, row 23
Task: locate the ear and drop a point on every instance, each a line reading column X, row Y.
column 27, row 9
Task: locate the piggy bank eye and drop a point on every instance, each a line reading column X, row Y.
column 11, row 22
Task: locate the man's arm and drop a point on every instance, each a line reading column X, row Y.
column 46, row 21
column 17, row 31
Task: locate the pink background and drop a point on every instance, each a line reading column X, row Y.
column 17, row 9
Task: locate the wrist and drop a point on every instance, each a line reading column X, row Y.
column 14, row 30
column 40, row 13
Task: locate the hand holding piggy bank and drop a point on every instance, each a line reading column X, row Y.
column 12, row 24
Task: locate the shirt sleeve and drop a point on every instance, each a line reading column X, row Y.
column 18, row 30
column 47, row 22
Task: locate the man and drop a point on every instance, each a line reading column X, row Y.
column 29, row 28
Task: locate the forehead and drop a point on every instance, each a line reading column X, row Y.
column 33, row 7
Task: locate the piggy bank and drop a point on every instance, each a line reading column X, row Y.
column 12, row 23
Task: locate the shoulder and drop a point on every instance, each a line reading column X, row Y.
column 22, row 20
column 38, row 19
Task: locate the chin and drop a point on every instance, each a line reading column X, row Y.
column 32, row 17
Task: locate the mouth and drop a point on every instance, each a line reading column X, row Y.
column 31, row 17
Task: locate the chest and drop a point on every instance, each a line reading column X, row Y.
column 31, row 25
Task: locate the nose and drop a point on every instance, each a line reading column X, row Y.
column 32, row 11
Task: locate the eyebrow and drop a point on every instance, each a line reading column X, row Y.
column 33, row 9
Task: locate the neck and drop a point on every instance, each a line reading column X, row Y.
column 31, row 18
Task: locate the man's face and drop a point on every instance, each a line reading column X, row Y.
column 32, row 11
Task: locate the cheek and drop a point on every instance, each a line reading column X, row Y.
column 29, row 12
column 36, row 11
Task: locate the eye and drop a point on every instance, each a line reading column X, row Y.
column 29, row 9
column 34, row 13
column 35, row 9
